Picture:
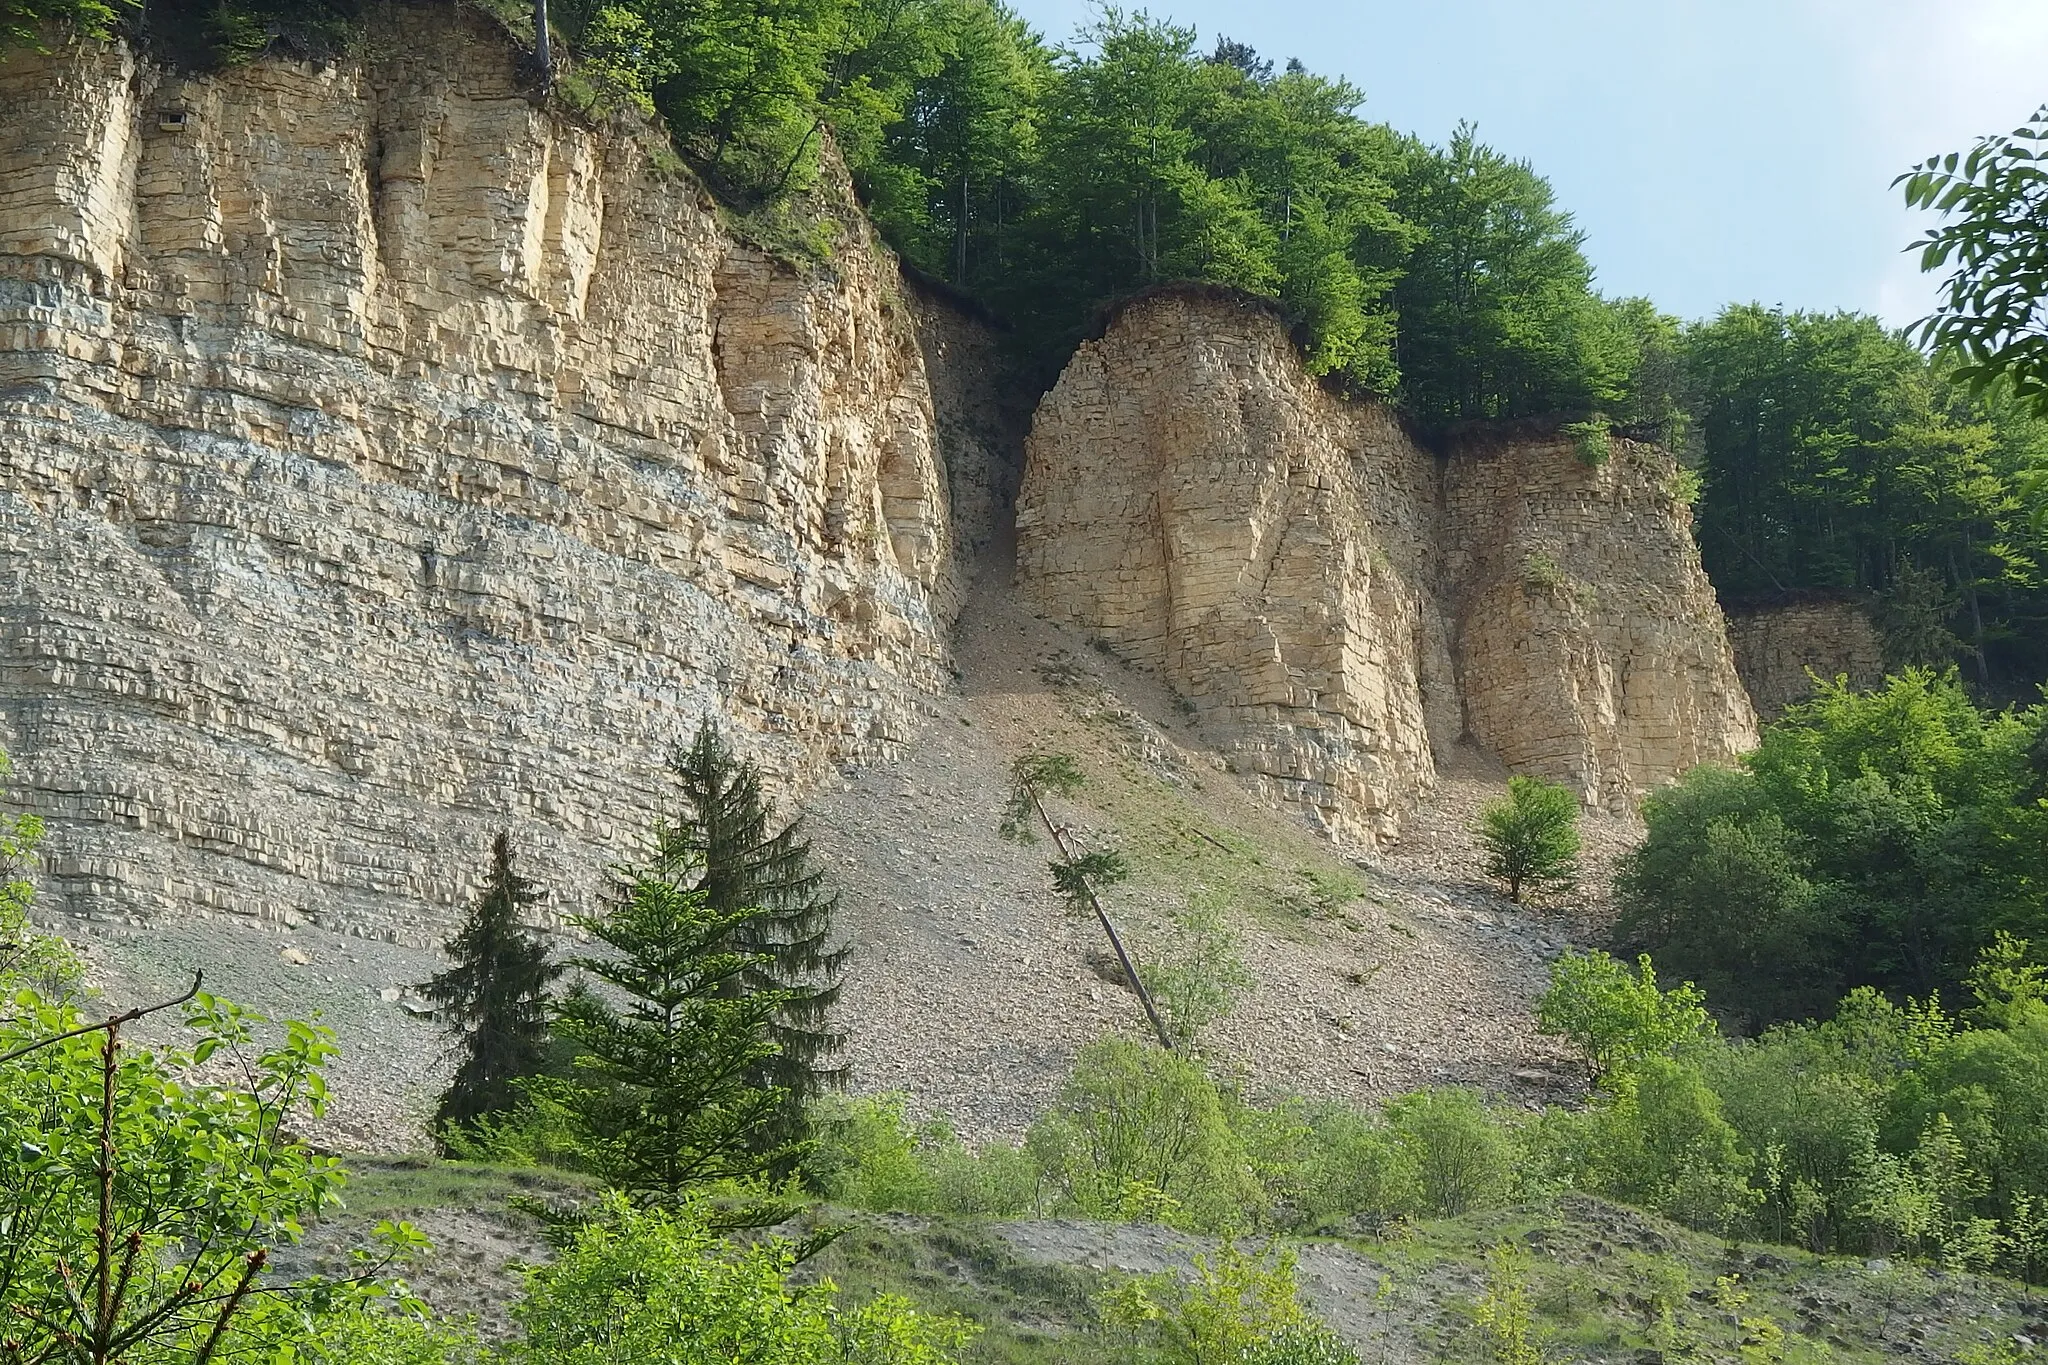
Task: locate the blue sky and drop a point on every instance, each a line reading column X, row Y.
column 1714, row 151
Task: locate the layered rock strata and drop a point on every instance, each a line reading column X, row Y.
column 386, row 459
column 1781, row 647
column 1340, row 604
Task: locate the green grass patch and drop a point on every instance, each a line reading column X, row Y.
column 1283, row 878
column 393, row 1187
column 1029, row 1314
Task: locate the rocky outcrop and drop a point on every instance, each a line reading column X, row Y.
column 1340, row 604
column 386, row 459
column 1782, row 646
column 1590, row 647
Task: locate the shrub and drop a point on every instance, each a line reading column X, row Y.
column 37, row 962
column 999, row 1181
column 1591, row 440
column 868, row 1156
column 1615, row 1017
column 1659, row 1141
column 1359, row 1169
column 1308, row 1345
column 1238, row 1307
column 1531, row 837
column 1792, row 1098
column 1541, row 570
column 1462, row 1156
column 1502, row 1313
column 1195, row 982
column 1140, row 1133
column 661, row 1287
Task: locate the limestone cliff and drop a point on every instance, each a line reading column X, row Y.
column 1781, row 646
column 1340, row 604
column 386, row 458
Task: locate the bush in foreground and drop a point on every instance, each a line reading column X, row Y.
column 664, row 1287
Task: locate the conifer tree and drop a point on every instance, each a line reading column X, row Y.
column 663, row 1098
column 722, row 841
column 495, row 996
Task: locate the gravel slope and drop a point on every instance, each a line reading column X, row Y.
column 971, row 986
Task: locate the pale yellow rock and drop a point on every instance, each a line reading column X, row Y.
column 1341, row 604
column 1780, row 648
column 386, row 460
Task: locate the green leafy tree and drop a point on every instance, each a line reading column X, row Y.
column 1994, row 304
column 1497, row 313
column 29, row 23
column 1462, row 1155
column 742, row 83
column 1659, row 1141
column 1873, row 839
column 142, row 1206
column 662, row 1102
column 1719, row 892
column 1836, row 458
column 1617, row 1018
column 200, row 34
column 1810, row 1122
column 1138, row 1132
column 947, row 180
column 495, row 996
column 767, row 885
column 1531, row 837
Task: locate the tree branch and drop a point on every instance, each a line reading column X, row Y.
column 139, row 1012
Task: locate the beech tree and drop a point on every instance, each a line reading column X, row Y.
column 1993, row 243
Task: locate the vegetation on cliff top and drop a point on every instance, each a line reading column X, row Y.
column 1048, row 181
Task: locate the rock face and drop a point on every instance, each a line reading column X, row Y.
column 1339, row 603
column 386, row 459
column 1780, row 647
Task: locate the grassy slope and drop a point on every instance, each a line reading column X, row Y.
column 1604, row 1283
